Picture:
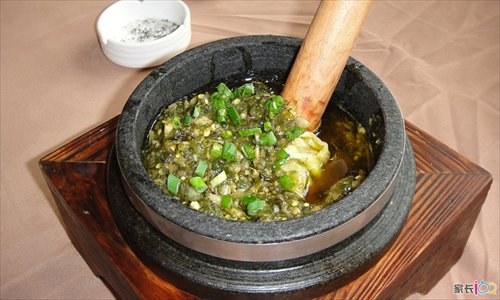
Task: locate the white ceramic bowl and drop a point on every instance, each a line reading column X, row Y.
column 149, row 53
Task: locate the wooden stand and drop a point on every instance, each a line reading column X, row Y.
column 450, row 192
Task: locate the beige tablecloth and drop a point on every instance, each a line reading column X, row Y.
column 439, row 58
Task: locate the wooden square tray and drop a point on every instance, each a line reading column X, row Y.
column 450, row 192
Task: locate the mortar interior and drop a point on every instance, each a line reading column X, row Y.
column 269, row 59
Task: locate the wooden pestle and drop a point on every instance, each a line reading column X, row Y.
column 323, row 56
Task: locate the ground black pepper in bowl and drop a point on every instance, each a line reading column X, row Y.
column 146, row 29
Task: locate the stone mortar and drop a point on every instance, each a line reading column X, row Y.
column 269, row 59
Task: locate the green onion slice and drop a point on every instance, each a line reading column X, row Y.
column 297, row 131
column 278, row 163
column 224, row 90
column 282, row 154
column 221, row 115
column 196, row 112
column 226, row 201
column 268, row 126
column 201, row 168
column 176, row 122
column 227, row 134
column 218, row 100
column 278, row 101
column 173, row 184
column 215, row 96
column 248, row 88
column 245, row 90
column 248, row 151
column 249, row 199
column 187, row 120
column 268, row 139
column 216, row 150
column 255, row 206
column 198, row 184
column 274, row 106
column 285, row 182
column 233, row 115
column 219, row 103
column 220, row 178
column 229, row 151
column 294, row 133
column 250, row 131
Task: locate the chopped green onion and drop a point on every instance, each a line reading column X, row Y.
column 274, row 106
column 250, row 131
column 273, row 112
column 196, row 112
column 267, row 126
column 218, row 103
column 215, row 96
column 218, row 100
column 245, row 90
column 268, row 104
column 282, row 154
column 177, row 122
column 220, row 178
column 278, row 163
column 249, row 199
column 224, row 90
column 187, row 120
column 268, row 139
column 278, row 100
column 216, row 150
column 173, row 184
column 297, row 131
column 227, row 134
column 229, row 151
column 248, row 88
column 234, row 115
column 294, row 133
column 248, row 151
column 255, row 206
column 221, row 115
column 285, row 182
column 226, row 201
column 198, row 184
column 201, row 168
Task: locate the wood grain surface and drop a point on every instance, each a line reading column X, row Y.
column 323, row 56
column 450, row 191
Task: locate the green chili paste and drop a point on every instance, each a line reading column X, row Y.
column 241, row 155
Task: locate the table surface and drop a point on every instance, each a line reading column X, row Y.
column 439, row 58
column 449, row 194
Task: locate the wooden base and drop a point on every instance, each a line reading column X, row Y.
column 450, row 192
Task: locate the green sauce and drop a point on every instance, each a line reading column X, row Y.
column 224, row 153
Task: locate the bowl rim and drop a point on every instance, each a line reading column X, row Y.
column 259, row 241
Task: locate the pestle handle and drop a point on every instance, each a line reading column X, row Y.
column 323, row 56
